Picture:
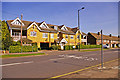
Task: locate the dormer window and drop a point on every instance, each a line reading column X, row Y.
column 44, row 25
column 17, row 23
column 64, row 28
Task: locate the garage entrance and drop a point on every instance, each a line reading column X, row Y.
column 113, row 45
column 44, row 46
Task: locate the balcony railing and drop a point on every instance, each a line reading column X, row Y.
column 16, row 38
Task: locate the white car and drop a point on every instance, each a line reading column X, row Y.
column 105, row 46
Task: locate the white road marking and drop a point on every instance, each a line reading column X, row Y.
column 16, row 63
column 79, row 57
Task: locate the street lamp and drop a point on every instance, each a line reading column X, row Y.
column 79, row 25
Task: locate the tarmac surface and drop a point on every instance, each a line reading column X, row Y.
column 48, row 66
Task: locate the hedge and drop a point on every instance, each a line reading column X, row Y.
column 67, row 47
column 87, row 46
column 19, row 49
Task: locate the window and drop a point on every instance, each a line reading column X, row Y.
column 64, row 28
column 78, row 36
column 52, row 35
column 72, row 37
column 84, row 37
column 66, row 36
column 17, row 22
column 33, row 33
column 57, row 35
column 44, row 26
column 45, row 35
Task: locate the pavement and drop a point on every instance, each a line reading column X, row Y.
column 53, row 65
column 109, row 70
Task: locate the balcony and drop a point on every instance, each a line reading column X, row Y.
column 16, row 38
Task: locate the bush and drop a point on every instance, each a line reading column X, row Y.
column 55, row 47
column 14, row 49
column 16, row 43
column 19, row 49
column 69, row 47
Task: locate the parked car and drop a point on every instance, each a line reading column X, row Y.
column 106, row 46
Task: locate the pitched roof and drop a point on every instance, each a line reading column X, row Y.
column 28, row 23
column 105, row 37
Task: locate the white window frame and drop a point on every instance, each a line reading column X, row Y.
column 52, row 35
column 33, row 33
column 44, row 35
column 78, row 37
column 71, row 37
column 66, row 36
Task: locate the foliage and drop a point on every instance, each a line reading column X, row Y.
column 87, row 46
column 6, row 39
column 19, row 49
column 16, row 43
column 0, row 34
column 68, row 47
column 55, row 47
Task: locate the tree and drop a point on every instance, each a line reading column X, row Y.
column 0, row 34
column 6, row 38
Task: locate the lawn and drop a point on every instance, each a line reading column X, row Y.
column 21, row 55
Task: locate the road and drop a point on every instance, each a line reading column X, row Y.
column 53, row 65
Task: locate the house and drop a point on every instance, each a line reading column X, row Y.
column 109, row 40
column 44, row 34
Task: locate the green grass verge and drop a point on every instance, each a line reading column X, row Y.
column 92, row 50
column 20, row 55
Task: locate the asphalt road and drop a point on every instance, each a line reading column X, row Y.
column 53, row 65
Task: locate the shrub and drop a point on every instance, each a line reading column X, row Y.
column 19, row 49
column 69, row 47
column 16, row 43
column 14, row 49
column 87, row 46
column 55, row 47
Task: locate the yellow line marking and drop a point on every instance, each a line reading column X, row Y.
column 81, row 69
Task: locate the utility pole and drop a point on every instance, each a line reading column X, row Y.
column 21, row 28
column 101, row 49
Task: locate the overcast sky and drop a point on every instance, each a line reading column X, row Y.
column 95, row 16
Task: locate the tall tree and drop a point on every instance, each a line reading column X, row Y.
column 6, row 38
column 0, row 34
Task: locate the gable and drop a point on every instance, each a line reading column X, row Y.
column 34, row 25
column 64, row 28
column 44, row 25
column 63, row 40
column 17, row 21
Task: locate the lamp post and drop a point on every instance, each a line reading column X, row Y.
column 79, row 25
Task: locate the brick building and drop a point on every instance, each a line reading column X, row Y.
column 109, row 40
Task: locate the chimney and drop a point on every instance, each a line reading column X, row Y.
column 118, row 36
column 110, row 35
column 98, row 33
